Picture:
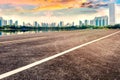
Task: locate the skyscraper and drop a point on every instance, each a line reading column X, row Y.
column 1, row 21
column 80, row 23
column 4, row 22
column 53, row 24
column 24, row 24
column 44, row 24
column 91, row 22
column 96, row 21
column 73, row 24
column 35, row 24
column 86, row 22
column 61, row 24
column 16, row 23
column 105, row 21
column 101, row 21
column 10, row 22
column 112, row 13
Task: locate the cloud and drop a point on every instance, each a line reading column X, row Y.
column 95, row 3
column 6, row 6
column 10, row 9
column 59, row 4
column 50, row 10
column 13, row 6
column 74, row 11
column 51, row 5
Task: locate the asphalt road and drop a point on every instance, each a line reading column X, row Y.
column 97, row 61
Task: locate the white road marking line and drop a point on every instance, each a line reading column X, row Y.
column 7, row 74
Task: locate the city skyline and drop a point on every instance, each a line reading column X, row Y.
column 74, row 11
column 97, row 21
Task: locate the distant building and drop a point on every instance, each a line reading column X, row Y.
column 96, row 21
column 10, row 22
column 73, row 24
column 86, row 22
column 1, row 21
column 4, row 22
column 24, row 24
column 105, row 21
column 80, row 23
column 44, row 24
column 101, row 21
column 35, row 24
column 53, row 25
column 112, row 13
column 91, row 22
column 61, row 24
column 16, row 23
column 38, row 25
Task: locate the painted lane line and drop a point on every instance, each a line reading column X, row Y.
column 7, row 74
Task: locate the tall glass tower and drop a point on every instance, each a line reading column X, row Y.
column 1, row 21
column 112, row 13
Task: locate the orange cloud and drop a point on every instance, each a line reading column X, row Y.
column 59, row 4
column 47, row 4
column 31, row 2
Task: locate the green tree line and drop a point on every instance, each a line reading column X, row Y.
column 31, row 28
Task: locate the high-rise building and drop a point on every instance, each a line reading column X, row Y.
column 35, row 24
column 44, row 24
column 61, row 24
column 4, row 22
column 91, row 22
column 1, row 21
column 105, row 21
column 38, row 25
column 97, row 21
column 86, row 22
column 52, row 24
column 80, row 23
column 112, row 13
column 24, row 24
column 73, row 24
column 10, row 22
column 101, row 21
column 16, row 23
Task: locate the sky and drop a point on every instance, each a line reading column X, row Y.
column 55, row 10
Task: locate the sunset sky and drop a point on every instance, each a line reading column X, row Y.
column 55, row 10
